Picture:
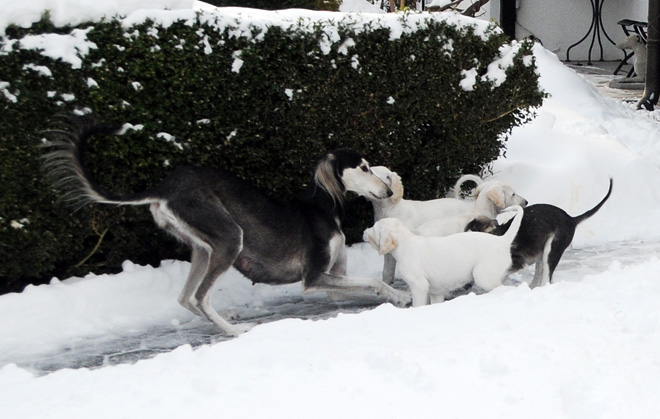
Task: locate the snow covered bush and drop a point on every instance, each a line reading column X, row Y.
column 262, row 94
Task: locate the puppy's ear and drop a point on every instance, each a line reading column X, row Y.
column 496, row 195
column 380, row 238
column 368, row 237
column 386, row 243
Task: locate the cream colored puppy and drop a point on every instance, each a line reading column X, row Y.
column 433, row 267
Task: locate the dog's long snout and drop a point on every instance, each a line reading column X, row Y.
column 385, row 190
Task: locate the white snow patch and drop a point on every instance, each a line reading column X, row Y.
column 469, row 79
column 69, row 48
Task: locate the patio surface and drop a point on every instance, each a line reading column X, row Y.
column 600, row 73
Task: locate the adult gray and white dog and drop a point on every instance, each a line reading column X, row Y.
column 228, row 222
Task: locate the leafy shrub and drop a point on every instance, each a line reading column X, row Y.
column 431, row 96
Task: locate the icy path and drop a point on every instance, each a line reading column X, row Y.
column 130, row 347
column 94, row 352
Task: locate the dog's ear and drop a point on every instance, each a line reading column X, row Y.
column 386, row 242
column 368, row 237
column 380, row 238
column 396, row 186
column 496, row 196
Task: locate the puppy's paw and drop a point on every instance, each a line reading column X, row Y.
column 401, row 299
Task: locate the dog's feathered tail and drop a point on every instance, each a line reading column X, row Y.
column 456, row 190
column 595, row 209
column 511, row 233
column 65, row 164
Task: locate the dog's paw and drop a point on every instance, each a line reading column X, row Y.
column 239, row 329
column 402, row 299
column 230, row 314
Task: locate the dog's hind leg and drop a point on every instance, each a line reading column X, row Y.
column 542, row 271
column 220, row 259
column 558, row 248
column 199, row 261
column 216, row 242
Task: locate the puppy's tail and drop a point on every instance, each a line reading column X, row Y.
column 66, row 166
column 465, row 178
column 511, row 233
column 595, row 209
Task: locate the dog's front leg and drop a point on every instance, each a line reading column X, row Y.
column 437, row 298
column 339, row 265
column 389, row 268
column 419, row 288
column 328, row 282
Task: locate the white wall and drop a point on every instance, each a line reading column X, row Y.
column 561, row 23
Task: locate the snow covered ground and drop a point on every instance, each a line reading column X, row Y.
column 584, row 347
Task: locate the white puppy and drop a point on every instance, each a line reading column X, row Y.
column 444, row 215
column 433, row 267
column 490, row 198
column 412, row 212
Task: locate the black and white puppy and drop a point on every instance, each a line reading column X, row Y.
column 545, row 233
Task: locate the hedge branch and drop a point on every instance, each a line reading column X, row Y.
column 474, row 8
column 96, row 247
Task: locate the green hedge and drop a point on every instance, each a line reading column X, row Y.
column 264, row 101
